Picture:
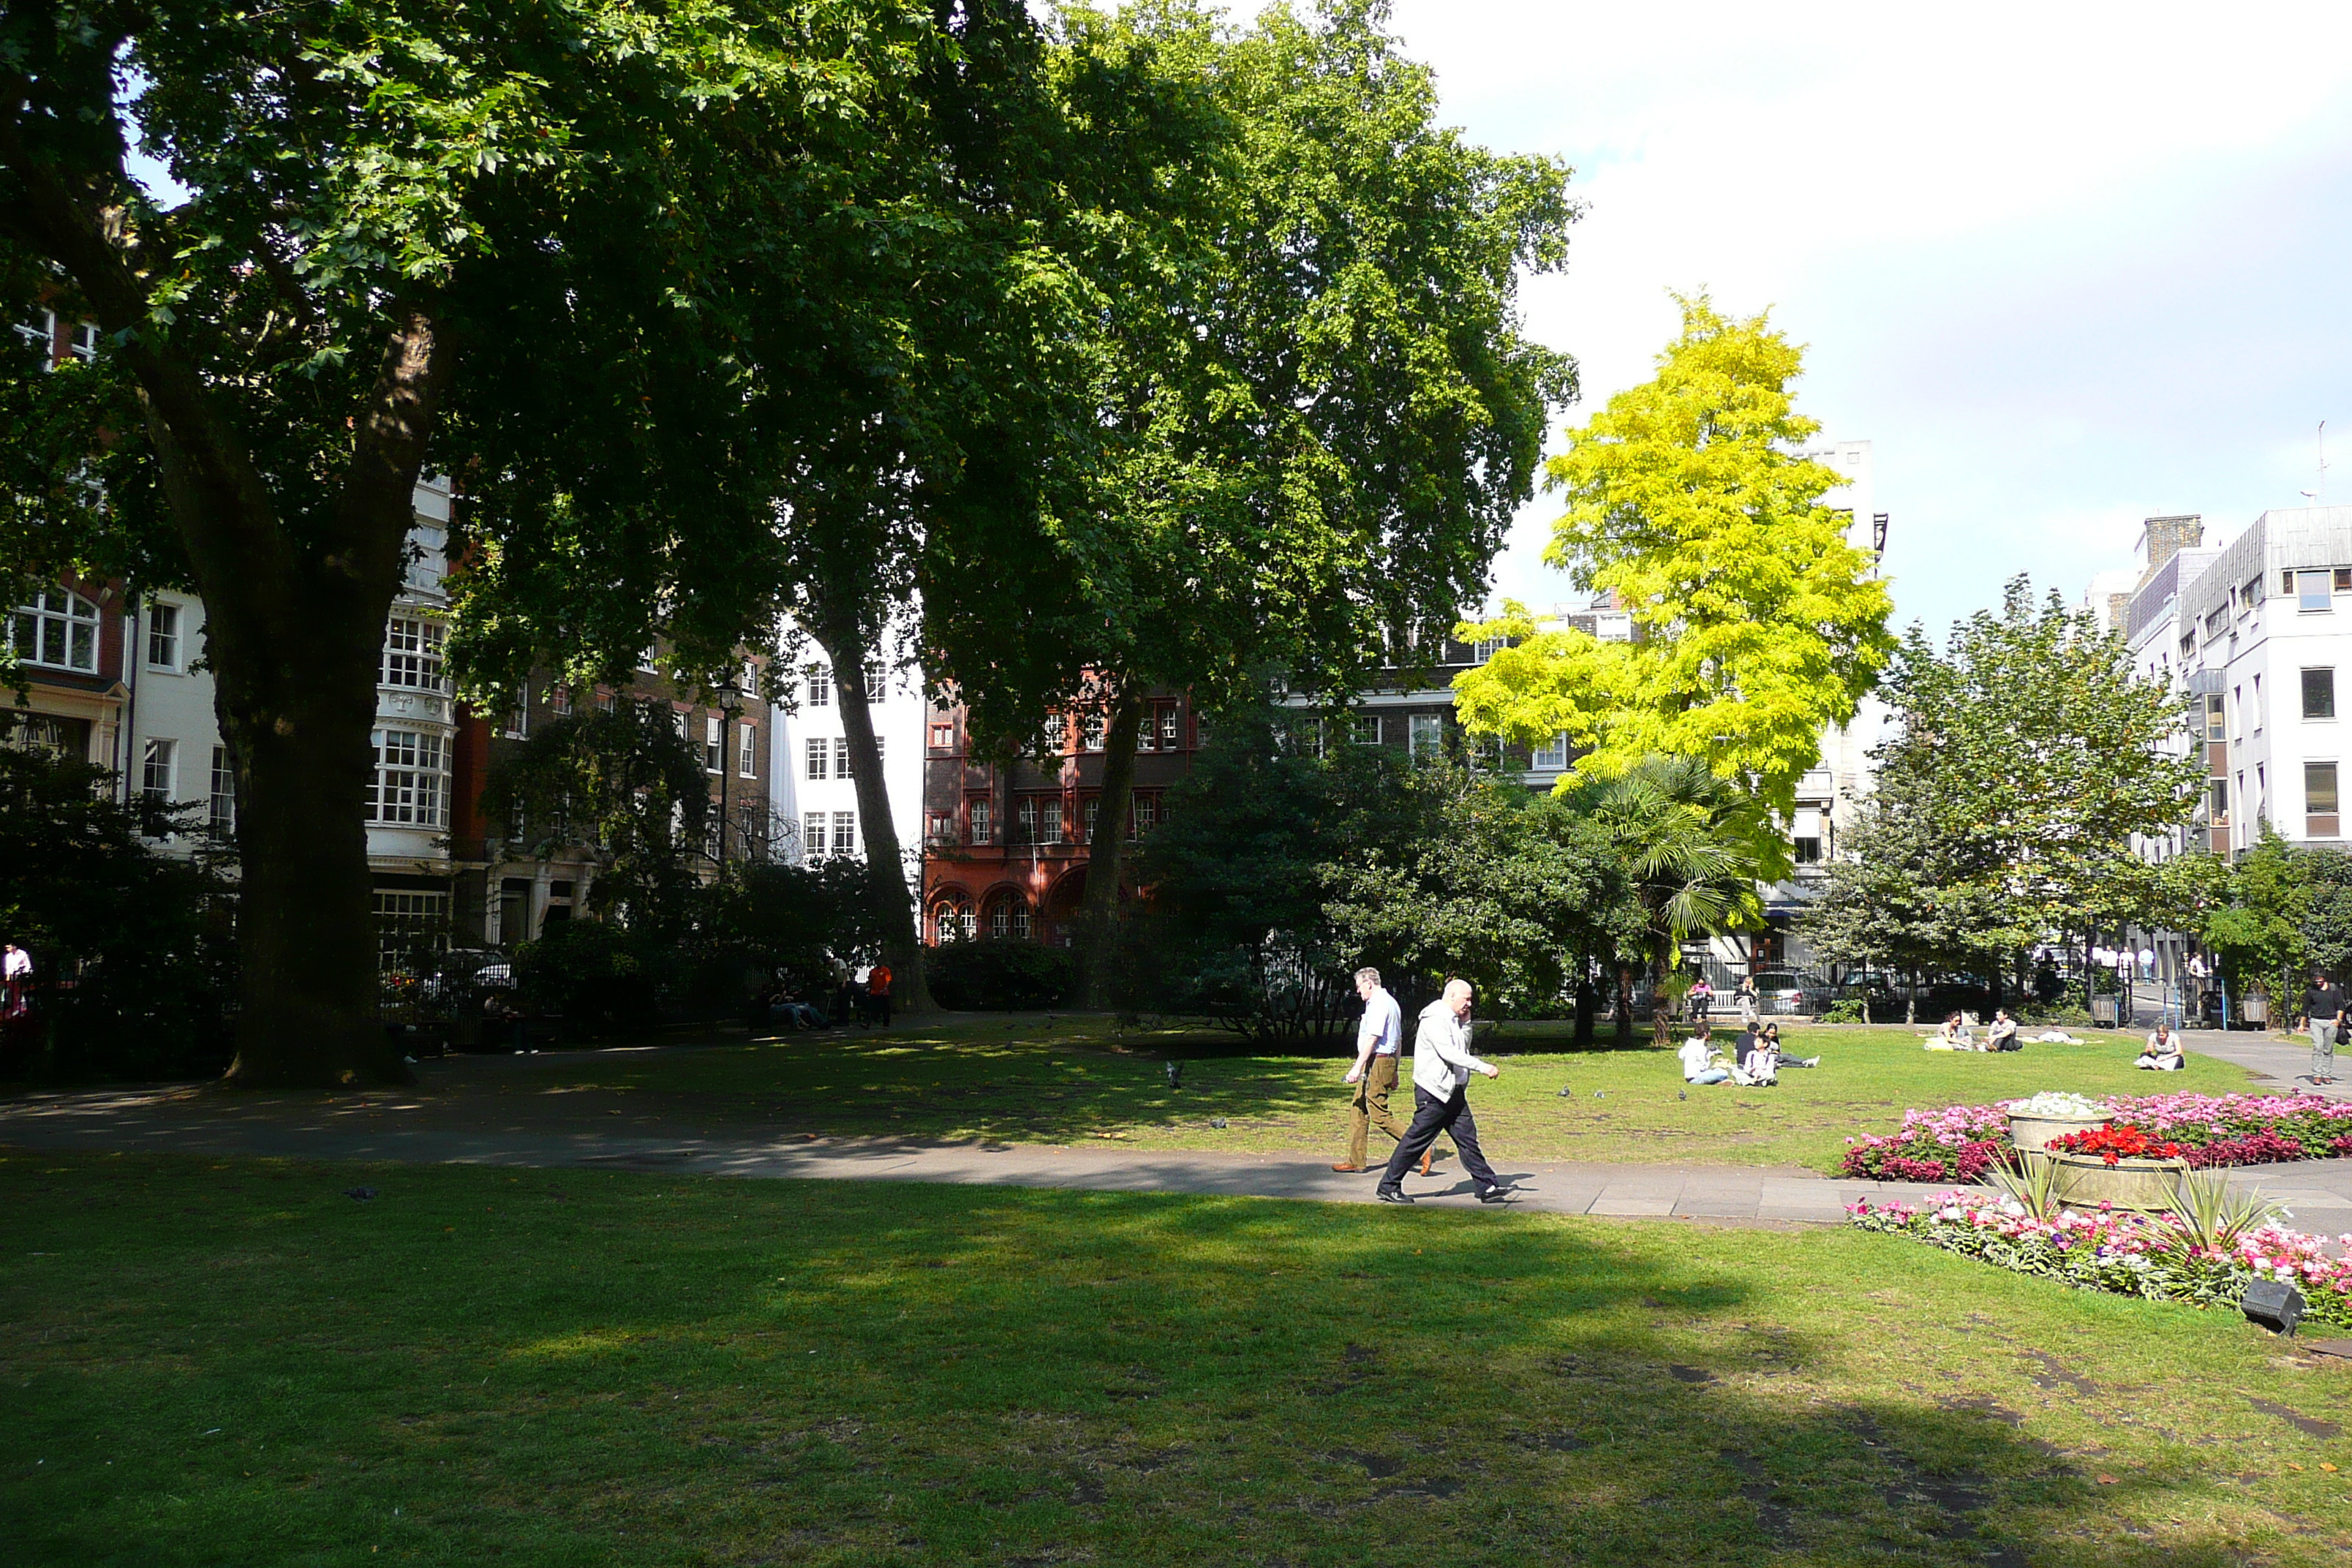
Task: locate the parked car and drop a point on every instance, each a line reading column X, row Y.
column 467, row 971
column 1780, row 991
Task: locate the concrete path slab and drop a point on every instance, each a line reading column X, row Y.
column 389, row 1128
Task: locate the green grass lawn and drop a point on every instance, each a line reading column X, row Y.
column 1077, row 1081
column 230, row 1363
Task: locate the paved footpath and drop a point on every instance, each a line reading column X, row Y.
column 388, row 1127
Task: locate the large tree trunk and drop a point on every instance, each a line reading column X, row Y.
column 1661, row 1024
column 1625, row 1004
column 295, row 622
column 886, row 870
column 1588, row 1001
column 1106, row 850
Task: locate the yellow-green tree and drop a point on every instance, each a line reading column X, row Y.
column 1754, row 623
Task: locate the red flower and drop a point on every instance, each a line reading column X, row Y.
column 2116, row 1143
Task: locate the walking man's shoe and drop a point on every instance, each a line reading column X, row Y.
column 1344, row 1166
column 1388, row 1196
column 1496, row 1194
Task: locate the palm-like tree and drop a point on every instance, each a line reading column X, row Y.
column 1689, row 841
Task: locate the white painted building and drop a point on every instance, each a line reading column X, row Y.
column 814, row 790
column 174, row 751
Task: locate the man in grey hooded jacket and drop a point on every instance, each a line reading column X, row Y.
column 1442, row 1066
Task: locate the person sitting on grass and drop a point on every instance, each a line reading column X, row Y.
column 1699, row 1062
column 2002, row 1036
column 1758, row 1063
column 1951, row 1034
column 2163, row 1053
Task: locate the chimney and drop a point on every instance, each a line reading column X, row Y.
column 2162, row 538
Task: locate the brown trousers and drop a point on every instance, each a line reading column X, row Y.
column 1371, row 1107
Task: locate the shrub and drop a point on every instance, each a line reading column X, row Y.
column 600, row 976
column 992, row 976
column 1852, row 1010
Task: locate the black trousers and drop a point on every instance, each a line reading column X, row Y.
column 1432, row 1116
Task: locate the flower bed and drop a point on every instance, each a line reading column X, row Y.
column 2118, row 1141
column 1960, row 1142
column 2128, row 1254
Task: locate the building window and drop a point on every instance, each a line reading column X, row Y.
column 1364, row 728
column 1488, row 648
column 714, row 744
column 58, row 630
column 1090, row 813
column 558, row 701
column 1019, row 919
column 2217, row 720
column 819, row 686
column 1551, row 756
column 813, row 835
column 410, row 927
column 2314, row 591
column 223, row 792
column 1170, row 727
column 2320, row 820
column 2343, row 579
column 943, row 735
column 877, row 685
column 845, row 833
column 941, row 826
column 747, row 751
column 999, row 918
column 408, row 786
column 1050, row 739
column 412, row 653
column 163, row 636
column 2319, row 694
column 1426, row 733
column 841, row 756
column 816, row 749
column 1807, row 851
column 516, row 725
column 1144, row 817
column 1091, row 730
column 1028, row 818
column 2217, row 802
column 984, row 820
column 603, row 701
column 158, row 771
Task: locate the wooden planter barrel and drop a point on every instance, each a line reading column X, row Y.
column 2030, row 1133
column 2086, row 1181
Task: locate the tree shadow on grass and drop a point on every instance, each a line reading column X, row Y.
column 567, row 1367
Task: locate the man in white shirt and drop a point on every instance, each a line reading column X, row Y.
column 1698, row 1061
column 1379, row 1038
column 1442, row 1066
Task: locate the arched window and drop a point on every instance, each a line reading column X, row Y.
column 1008, row 918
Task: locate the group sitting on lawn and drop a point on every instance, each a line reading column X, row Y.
column 1755, row 1060
column 1956, row 1034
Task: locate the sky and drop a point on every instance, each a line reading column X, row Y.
column 2065, row 267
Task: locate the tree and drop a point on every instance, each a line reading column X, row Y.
column 1239, row 870
column 623, row 787
column 370, row 186
column 1685, row 836
column 1320, row 409
column 1756, row 624
column 1882, row 903
column 2026, row 757
column 2327, row 924
column 1518, row 895
column 2251, row 914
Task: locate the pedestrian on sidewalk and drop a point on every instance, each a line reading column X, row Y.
column 1378, row 1039
column 1442, row 1066
column 15, row 982
column 877, row 993
column 2323, row 1010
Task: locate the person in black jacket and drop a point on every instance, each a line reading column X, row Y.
column 2323, row 1010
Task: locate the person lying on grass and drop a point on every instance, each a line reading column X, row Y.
column 1772, row 1033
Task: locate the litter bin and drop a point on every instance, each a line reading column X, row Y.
column 2102, row 1011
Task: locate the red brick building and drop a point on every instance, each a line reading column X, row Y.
column 1005, row 847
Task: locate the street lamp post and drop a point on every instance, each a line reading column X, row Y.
column 730, row 695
